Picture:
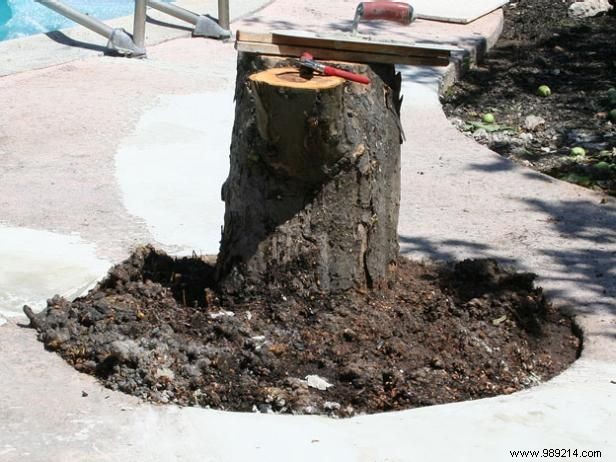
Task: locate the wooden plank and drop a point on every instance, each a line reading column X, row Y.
column 346, row 42
column 338, row 55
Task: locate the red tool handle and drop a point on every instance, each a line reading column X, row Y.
column 390, row 11
column 329, row 70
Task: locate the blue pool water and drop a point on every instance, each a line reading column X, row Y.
column 19, row 18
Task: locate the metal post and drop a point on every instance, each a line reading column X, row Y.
column 223, row 14
column 139, row 23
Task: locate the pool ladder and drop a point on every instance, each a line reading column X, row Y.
column 134, row 45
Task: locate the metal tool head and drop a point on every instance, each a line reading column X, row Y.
column 359, row 12
column 307, row 66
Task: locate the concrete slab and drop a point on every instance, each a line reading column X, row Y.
column 39, row 264
column 171, row 169
column 456, row 12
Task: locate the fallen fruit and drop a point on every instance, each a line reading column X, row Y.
column 612, row 115
column 611, row 98
column 601, row 166
column 582, row 180
column 544, row 91
column 577, row 151
column 488, row 118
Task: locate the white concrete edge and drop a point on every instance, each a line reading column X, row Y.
column 40, row 264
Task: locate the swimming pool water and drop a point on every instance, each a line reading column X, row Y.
column 19, row 18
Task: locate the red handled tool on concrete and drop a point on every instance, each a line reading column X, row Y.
column 399, row 12
column 307, row 60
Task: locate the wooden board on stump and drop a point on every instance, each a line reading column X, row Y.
column 343, row 47
column 312, row 197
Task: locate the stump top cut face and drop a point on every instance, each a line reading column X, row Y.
column 290, row 77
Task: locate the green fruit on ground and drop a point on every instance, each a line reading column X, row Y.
column 488, row 118
column 602, row 165
column 544, row 91
column 582, row 180
column 612, row 115
column 611, row 97
column 577, row 151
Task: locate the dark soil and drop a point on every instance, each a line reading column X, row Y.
column 576, row 59
column 157, row 329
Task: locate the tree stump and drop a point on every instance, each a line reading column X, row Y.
column 313, row 193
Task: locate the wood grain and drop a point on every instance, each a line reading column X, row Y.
column 338, row 55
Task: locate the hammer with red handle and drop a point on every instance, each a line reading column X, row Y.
column 307, row 60
column 399, row 12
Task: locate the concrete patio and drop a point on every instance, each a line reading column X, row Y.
column 100, row 154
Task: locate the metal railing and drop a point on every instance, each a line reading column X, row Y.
column 125, row 44
column 204, row 26
column 223, row 14
column 139, row 19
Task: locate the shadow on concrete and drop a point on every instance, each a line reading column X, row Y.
column 64, row 39
column 276, row 24
column 342, row 27
column 157, row 22
column 588, row 262
column 502, row 164
column 449, row 249
column 592, row 227
column 496, row 165
column 582, row 219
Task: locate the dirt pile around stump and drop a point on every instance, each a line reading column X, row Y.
column 156, row 328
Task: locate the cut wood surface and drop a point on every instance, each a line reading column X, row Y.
column 343, row 47
column 290, row 77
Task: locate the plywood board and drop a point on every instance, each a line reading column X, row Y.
column 346, row 42
column 338, row 55
column 460, row 11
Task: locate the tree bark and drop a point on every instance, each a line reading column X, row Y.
column 313, row 192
